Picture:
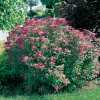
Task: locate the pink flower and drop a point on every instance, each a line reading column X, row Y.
column 61, row 32
column 46, row 74
column 84, row 72
column 59, row 49
column 51, row 62
column 63, row 77
column 80, row 58
column 20, row 46
column 49, row 70
column 56, row 87
column 37, row 38
column 33, row 47
column 44, row 47
column 6, row 45
column 52, row 44
column 62, row 20
column 46, row 64
column 35, row 65
column 66, row 82
column 64, row 40
column 44, row 39
column 25, row 29
column 35, row 30
column 66, row 51
column 52, row 58
column 54, row 19
column 41, row 33
column 25, row 58
column 39, row 52
column 40, row 89
column 32, row 38
column 57, row 67
column 95, row 72
column 39, row 65
column 42, row 57
column 17, row 38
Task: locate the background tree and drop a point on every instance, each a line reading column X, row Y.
column 83, row 13
column 11, row 13
column 49, row 3
column 52, row 7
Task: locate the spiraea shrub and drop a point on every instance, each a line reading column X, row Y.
column 49, row 55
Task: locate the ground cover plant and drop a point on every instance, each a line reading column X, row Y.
column 47, row 55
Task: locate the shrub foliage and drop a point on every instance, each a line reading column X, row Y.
column 49, row 55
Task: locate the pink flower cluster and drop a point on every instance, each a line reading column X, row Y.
column 97, row 72
column 39, row 65
column 38, row 53
column 25, row 58
column 57, row 87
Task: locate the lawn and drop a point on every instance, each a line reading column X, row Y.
column 91, row 94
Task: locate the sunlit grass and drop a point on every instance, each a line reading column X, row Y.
column 91, row 94
column 1, row 46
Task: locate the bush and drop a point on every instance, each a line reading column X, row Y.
column 49, row 55
column 11, row 13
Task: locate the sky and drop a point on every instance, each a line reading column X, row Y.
column 3, row 35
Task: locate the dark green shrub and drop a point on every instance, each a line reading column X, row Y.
column 9, row 82
column 31, row 13
column 83, row 13
column 3, row 65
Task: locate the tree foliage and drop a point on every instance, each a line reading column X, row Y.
column 83, row 13
column 49, row 3
column 11, row 13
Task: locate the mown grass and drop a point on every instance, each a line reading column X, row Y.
column 91, row 94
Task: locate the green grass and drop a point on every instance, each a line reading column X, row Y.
column 91, row 94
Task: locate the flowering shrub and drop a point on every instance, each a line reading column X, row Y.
column 50, row 55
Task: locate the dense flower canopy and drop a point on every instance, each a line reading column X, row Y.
column 51, row 55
